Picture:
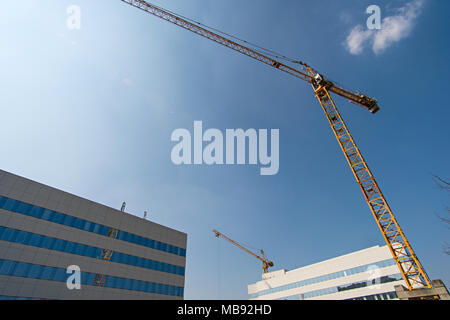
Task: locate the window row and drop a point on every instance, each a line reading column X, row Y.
column 36, row 240
column 349, row 286
column 334, row 275
column 27, row 270
column 60, row 218
column 381, row 296
column 18, row 298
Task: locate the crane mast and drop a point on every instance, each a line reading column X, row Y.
column 266, row 263
column 411, row 269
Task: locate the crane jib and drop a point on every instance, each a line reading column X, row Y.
column 362, row 100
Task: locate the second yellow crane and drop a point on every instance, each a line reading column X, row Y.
column 266, row 263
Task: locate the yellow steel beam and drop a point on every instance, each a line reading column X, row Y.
column 404, row 256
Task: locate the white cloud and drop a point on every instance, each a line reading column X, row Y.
column 393, row 29
column 357, row 38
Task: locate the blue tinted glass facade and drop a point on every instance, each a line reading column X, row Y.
column 349, row 286
column 27, row 270
column 74, row 222
column 326, row 277
column 18, row 298
column 36, row 240
column 380, row 296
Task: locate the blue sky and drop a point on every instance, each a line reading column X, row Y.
column 91, row 112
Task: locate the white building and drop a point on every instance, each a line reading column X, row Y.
column 368, row 274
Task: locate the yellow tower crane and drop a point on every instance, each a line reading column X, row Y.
column 411, row 269
column 266, row 263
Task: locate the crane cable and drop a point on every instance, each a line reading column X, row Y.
column 219, row 269
column 259, row 49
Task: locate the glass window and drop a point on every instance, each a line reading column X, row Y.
column 58, row 245
column 108, row 282
column 120, row 283
column 23, row 208
column 140, row 262
column 23, row 237
column 96, row 228
column 114, row 282
column 2, row 231
column 48, row 242
column 21, row 270
column 132, row 260
column 78, row 223
column 87, row 225
column 8, row 267
column 60, row 275
column 89, row 277
column 8, row 234
column 58, row 217
column 142, row 286
column 70, row 247
column 165, row 289
column 48, row 273
column 79, row 249
column 36, row 212
column 68, row 220
column 91, row 227
column 134, row 285
column 35, row 272
column 128, row 284
column 103, row 230
column 46, row 214
column 2, row 201
column 90, row 252
column 85, row 278
column 9, row 204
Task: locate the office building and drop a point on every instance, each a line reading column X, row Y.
column 368, row 274
column 47, row 235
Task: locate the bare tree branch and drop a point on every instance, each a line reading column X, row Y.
column 441, row 183
column 445, row 185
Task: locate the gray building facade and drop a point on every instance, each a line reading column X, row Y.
column 44, row 231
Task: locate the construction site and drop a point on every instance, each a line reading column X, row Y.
column 380, row 265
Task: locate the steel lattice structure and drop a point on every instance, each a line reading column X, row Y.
column 412, row 271
column 407, row 262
